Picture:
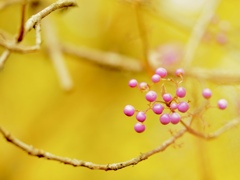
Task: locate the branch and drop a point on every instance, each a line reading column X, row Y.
column 56, row 56
column 74, row 162
column 199, row 30
column 42, row 14
column 33, row 22
column 108, row 59
column 215, row 134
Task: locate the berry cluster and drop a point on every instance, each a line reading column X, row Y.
column 168, row 106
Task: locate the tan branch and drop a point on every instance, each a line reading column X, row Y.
column 213, row 135
column 74, row 162
column 33, row 22
column 53, row 7
column 199, row 30
column 108, row 59
column 55, row 53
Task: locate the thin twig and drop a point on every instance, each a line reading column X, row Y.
column 12, row 46
column 56, row 56
column 109, row 59
column 143, row 34
column 21, row 30
column 4, row 57
column 199, row 30
column 42, row 14
column 74, row 162
column 213, row 135
column 32, row 22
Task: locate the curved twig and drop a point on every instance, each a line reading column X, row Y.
column 74, row 162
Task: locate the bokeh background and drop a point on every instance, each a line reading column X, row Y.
column 87, row 122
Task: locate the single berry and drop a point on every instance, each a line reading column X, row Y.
column 179, row 72
column 175, row 118
column 156, row 78
column 165, row 119
column 206, row 93
column 183, row 107
column 173, row 106
column 222, row 104
column 133, row 83
column 167, row 97
column 141, row 116
column 181, row 92
column 129, row 110
column 161, row 72
column 139, row 127
column 157, row 108
column 151, row 96
column 143, row 86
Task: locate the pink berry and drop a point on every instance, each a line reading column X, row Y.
column 167, row 97
column 133, row 83
column 141, row 116
column 157, row 108
column 175, row 118
column 173, row 106
column 179, row 72
column 161, row 72
column 156, row 78
column 151, row 96
column 139, row 127
column 129, row 110
column 143, row 86
column 181, row 92
column 206, row 93
column 165, row 119
column 222, row 104
column 183, row 107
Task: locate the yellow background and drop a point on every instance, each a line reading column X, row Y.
column 87, row 123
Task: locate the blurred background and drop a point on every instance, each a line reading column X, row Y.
column 87, row 122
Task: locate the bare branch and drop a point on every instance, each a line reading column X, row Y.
column 74, row 162
column 199, row 29
column 39, row 16
column 4, row 57
column 12, row 46
column 217, row 133
column 219, row 76
column 109, row 59
column 34, row 21
column 56, row 56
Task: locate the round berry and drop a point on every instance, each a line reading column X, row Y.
column 156, row 78
column 141, row 116
column 165, row 119
column 175, row 118
column 179, row 72
column 139, row 127
column 222, row 104
column 151, row 96
column 161, row 72
column 133, row 83
column 173, row 106
column 206, row 93
column 157, row 108
column 143, row 86
column 183, row 107
column 129, row 110
column 181, row 92
column 167, row 97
